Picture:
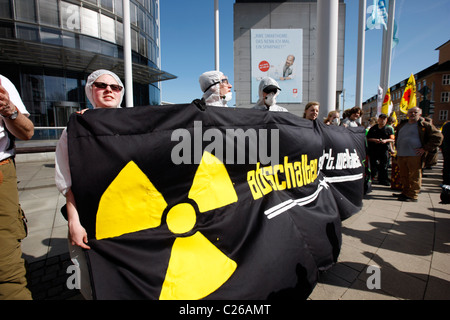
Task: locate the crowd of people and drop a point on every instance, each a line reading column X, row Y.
column 408, row 146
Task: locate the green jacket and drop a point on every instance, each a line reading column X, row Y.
column 429, row 135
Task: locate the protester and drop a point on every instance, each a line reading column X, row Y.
column 446, row 153
column 104, row 89
column 414, row 138
column 268, row 92
column 14, row 123
column 216, row 89
column 333, row 118
column 311, row 110
column 431, row 158
column 373, row 121
column 379, row 137
column 445, row 147
column 353, row 115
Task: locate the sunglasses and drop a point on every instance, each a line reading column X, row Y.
column 224, row 81
column 102, row 85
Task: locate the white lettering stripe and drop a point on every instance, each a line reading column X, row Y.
column 344, row 178
column 286, row 205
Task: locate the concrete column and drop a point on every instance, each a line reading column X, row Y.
column 388, row 34
column 327, row 44
column 128, row 71
column 360, row 56
column 216, row 29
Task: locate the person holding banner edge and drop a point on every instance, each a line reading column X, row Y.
column 104, row 89
column 268, row 92
column 216, row 88
column 311, row 110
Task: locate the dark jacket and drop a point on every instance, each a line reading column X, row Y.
column 446, row 142
column 429, row 135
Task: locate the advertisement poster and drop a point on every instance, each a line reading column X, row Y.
column 278, row 53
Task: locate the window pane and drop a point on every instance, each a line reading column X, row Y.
column 119, row 33
column 54, row 88
column 90, row 44
column 141, row 17
column 27, row 33
column 51, row 36
column 25, row 10
column 6, row 30
column 118, row 7
column 33, row 97
column 108, row 28
column 72, row 90
column 142, row 45
column 109, row 49
column 107, row 4
column 48, row 12
column 5, row 9
column 89, row 22
column 70, row 16
column 134, row 40
column 133, row 14
column 70, row 40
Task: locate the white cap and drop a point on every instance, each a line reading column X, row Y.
column 94, row 76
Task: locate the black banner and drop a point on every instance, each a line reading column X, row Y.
column 225, row 203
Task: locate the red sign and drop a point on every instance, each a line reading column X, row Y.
column 264, row 66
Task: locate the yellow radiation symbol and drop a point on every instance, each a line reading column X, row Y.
column 131, row 203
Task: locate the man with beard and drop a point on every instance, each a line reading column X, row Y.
column 414, row 138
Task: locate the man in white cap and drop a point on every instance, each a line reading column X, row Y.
column 268, row 91
column 216, row 88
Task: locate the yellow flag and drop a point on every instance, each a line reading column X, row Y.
column 409, row 99
column 394, row 116
column 386, row 103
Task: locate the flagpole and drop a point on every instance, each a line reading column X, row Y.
column 361, row 49
column 387, row 47
column 216, row 28
column 326, row 63
column 127, row 54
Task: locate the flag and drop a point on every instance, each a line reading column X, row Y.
column 180, row 203
column 394, row 116
column 395, row 39
column 378, row 15
column 387, row 103
column 409, row 99
column 379, row 100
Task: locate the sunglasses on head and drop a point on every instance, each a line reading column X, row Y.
column 102, row 85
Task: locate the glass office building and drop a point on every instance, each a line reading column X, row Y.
column 49, row 47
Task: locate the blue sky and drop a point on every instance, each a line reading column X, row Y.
column 187, row 44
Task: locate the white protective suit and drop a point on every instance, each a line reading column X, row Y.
column 271, row 101
column 210, row 85
column 63, row 182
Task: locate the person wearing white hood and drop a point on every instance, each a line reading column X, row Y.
column 216, row 88
column 268, row 92
column 104, row 90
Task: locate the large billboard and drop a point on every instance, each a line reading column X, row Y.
column 278, row 53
